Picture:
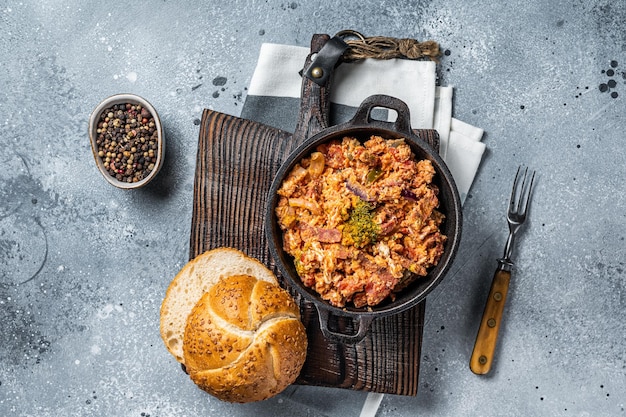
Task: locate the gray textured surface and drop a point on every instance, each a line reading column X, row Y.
column 84, row 266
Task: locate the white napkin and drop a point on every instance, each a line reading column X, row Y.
column 354, row 82
column 274, row 95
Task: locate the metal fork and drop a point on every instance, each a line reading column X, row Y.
column 485, row 346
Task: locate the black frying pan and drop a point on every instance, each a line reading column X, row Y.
column 362, row 126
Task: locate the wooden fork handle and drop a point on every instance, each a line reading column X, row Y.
column 485, row 346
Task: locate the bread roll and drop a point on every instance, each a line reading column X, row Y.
column 244, row 340
column 193, row 281
column 237, row 332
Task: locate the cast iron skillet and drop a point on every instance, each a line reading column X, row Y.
column 362, row 126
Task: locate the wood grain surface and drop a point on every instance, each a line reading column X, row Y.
column 487, row 337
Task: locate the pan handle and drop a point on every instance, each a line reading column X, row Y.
column 326, row 53
column 364, row 323
column 402, row 124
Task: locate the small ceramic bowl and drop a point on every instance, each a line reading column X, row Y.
column 94, row 125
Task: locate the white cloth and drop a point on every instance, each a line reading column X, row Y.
column 414, row 82
column 354, row 82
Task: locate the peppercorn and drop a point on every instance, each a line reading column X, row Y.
column 127, row 141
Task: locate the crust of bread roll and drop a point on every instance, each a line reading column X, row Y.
column 244, row 340
column 193, row 281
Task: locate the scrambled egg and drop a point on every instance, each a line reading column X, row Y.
column 361, row 219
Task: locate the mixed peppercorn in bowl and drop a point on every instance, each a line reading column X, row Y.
column 127, row 140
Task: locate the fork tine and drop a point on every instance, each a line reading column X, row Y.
column 520, row 199
column 514, row 191
column 519, row 203
column 522, row 192
column 528, row 194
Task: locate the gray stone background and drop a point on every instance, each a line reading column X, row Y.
column 84, row 266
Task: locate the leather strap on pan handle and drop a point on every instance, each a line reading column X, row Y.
column 314, row 99
column 324, row 62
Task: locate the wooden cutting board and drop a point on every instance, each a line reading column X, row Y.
column 236, row 163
